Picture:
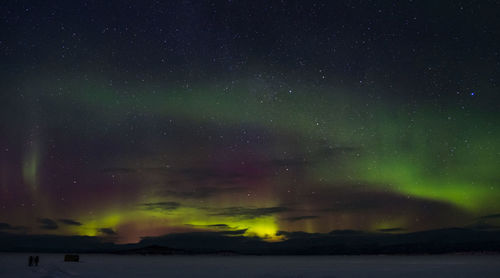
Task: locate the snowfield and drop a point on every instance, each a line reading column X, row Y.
column 98, row 265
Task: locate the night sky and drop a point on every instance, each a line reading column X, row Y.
column 126, row 119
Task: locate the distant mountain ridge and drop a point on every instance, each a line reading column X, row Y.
column 153, row 250
column 452, row 240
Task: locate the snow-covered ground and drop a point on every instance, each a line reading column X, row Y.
column 52, row 265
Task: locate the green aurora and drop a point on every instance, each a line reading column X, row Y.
column 322, row 144
column 247, row 119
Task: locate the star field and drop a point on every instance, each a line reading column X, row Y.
column 130, row 119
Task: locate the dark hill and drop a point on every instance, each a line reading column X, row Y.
column 452, row 240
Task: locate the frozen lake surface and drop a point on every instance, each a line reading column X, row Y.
column 52, row 265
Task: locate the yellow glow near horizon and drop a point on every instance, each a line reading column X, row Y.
column 264, row 227
column 91, row 227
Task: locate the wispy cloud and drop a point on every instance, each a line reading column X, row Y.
column 299, row 218
column 200, row 192
column 491, row 216
column 8, row 227
column 248, row 212
column 70, row 222
column 107, row 231
column 48, row 224
column 160, row 206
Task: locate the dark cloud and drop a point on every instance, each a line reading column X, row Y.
column 214, row 226
column 334, row 233
column 160, row 206
column 229, row 172
column 370, row 201
column 235, row 232
column 219, row 226
column 392, row 230
column 8, row 227
column 70, row 222
column 200, row 192
column 223, row 229
column 247, row 212
column 48, row 224
column 299, row 218
column 297, row 234
column 107, row 231
column 218, row 176
column 491, row 216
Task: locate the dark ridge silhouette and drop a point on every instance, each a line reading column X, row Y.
column 162, row 250
column 346, row 242
column 153, row 250
column 391, row 230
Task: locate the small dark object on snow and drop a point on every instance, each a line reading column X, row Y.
column 36, row 260
column 30, row 261
column 71, row 258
